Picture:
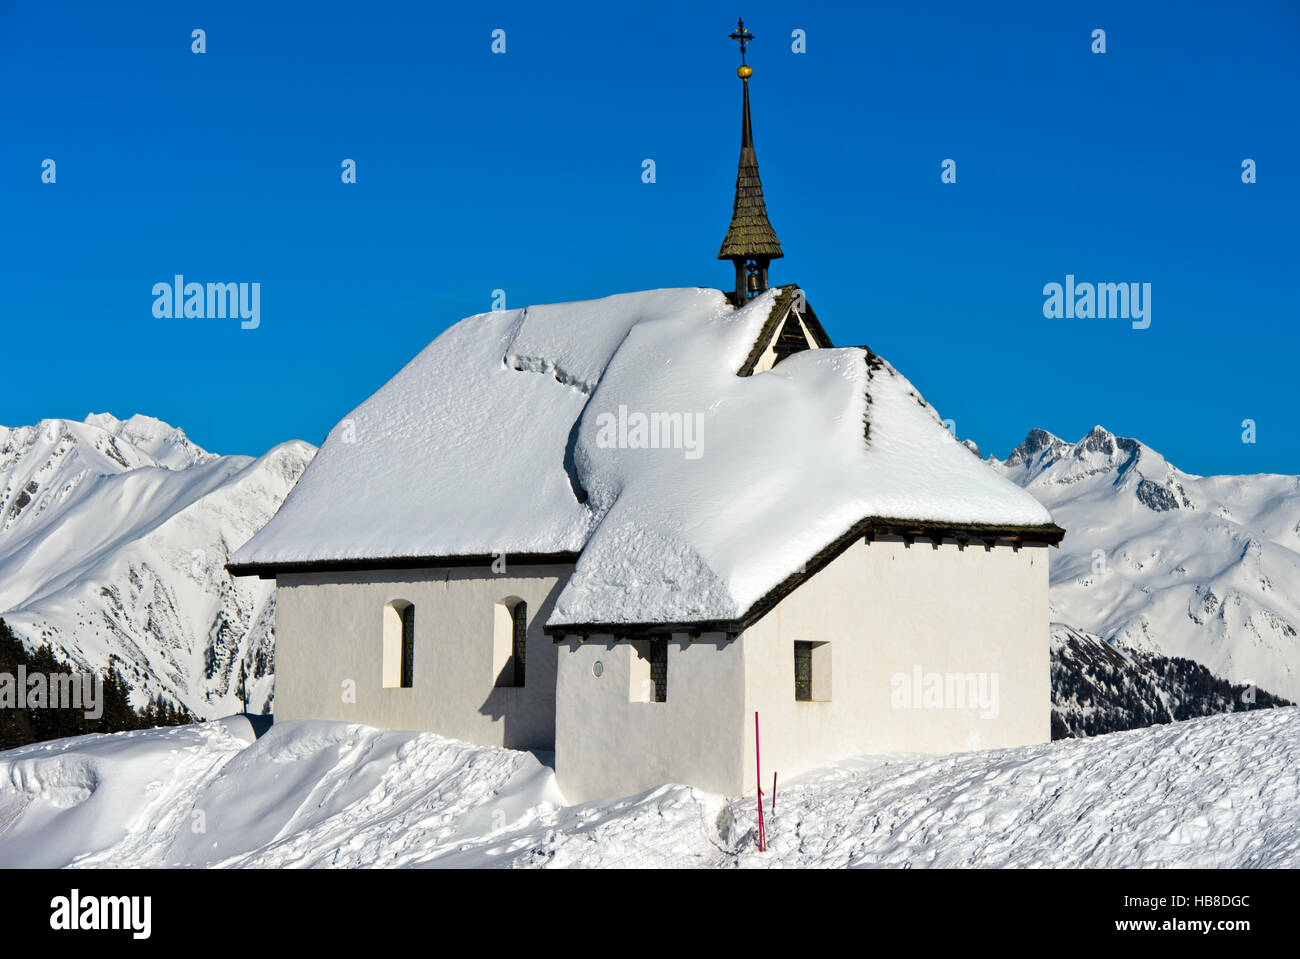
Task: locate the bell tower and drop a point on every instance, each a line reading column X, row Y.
column 750, row 243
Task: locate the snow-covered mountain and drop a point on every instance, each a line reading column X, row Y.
column 113, row 538
column 1201, row 567
column 1100, row 687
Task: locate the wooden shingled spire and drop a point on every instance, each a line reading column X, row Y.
column 750, row 243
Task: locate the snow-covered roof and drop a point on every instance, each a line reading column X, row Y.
column 516, row 432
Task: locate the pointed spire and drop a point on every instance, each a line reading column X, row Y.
column 746, row 129
column 750, row 242
column 750, row 234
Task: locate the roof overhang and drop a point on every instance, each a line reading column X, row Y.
column 964, row 534
column 271, row 570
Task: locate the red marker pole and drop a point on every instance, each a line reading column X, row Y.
column 758, row 774
column 773, row 792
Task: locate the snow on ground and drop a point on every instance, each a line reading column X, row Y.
column 1217, row 792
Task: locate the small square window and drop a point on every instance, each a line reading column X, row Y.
column 812, row 672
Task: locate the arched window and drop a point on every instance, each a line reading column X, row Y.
column 509, row 641
column 648, row 676
column 399, row 645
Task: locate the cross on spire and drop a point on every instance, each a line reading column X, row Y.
column 750, row 243
column 742, row 36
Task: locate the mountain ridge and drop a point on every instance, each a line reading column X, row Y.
column 113, row 539
column 1205, row 568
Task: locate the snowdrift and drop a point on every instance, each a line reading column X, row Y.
column 1217, row 792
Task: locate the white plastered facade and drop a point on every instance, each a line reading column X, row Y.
column 893, row 614
column 330, row 652
column 887, row 609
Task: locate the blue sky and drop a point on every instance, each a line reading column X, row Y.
column 522, row 172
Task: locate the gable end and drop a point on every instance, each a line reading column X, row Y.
column 789, row 337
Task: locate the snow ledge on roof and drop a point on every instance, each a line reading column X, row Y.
column 618, row 429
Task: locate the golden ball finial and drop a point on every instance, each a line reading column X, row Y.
column 745, row 72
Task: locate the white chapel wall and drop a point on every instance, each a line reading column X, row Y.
column 329, row 630
column 885, row 608
column 888, row 610
column 612, row 741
